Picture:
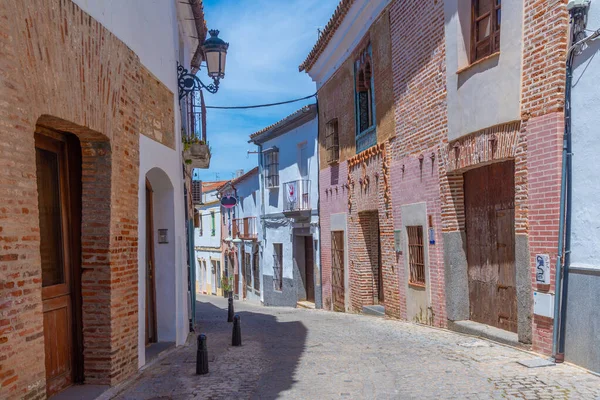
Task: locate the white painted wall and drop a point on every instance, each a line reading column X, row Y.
column 353, row 28
column 205, row 240
column 289, row 160
column 488, row 93
column 585, row 103
column 277, row 227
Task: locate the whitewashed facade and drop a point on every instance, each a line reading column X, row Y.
column 289, row 247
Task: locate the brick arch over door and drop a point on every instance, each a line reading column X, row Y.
column 63, row 70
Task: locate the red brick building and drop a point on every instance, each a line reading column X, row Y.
column 90, row 150
column 440, row 151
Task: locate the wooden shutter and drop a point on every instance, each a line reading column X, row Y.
column 485, row 28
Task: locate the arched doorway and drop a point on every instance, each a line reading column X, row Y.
column 157, row 264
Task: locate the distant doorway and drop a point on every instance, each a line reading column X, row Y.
column 309, row 269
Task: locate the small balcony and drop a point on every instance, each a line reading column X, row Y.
column 296, row 198
column 196, row 152
column 244, row 228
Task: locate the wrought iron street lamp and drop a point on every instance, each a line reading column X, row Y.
column 215, row 53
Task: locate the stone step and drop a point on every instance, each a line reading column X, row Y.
column 374, row 310
column 305, row 304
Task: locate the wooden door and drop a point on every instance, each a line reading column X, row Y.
column 151, row 323
column 309, row 268
column 57, row 248
column 489, row 214
column 337, row 271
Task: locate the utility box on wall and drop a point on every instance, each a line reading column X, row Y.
column 543, row 304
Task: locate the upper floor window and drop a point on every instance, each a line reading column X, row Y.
column 271, row 169
column 332, row 141
column 212, row 224
column 366, row 135
column 485, row 28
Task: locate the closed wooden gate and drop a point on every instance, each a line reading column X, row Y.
column 490, row 214
column 337, row 271
column 309, row 268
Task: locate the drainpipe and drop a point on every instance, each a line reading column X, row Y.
column 578, row 16
column 319, row 206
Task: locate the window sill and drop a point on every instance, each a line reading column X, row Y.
column 480, row 61
column 416, row 285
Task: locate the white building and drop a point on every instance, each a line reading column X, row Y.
column 207, row 240
column 289, row 238
column 582, row 338
column 241, row 236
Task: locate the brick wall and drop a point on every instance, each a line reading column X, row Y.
column 157, row 118
column 63, row 70
column 419, row 87
column 546, row 27
column 333, row 199
column 336, row 100
column 544, row 140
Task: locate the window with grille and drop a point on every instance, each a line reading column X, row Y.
column 247, row 270
column 366, row 135
column 271, row 169
column 196, row 219
column 485, row 28
column 416, row 255
column 277, row 266
column 332, row 141
column 255, row 270
column 212, row 224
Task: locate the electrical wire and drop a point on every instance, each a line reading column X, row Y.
column 260, row 105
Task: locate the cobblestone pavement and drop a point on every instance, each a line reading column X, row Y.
column 312, row 354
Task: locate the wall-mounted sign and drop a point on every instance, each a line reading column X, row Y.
column 228, row 201
column 542, row 269
column 162, row 236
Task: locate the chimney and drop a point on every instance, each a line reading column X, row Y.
column 239, row 173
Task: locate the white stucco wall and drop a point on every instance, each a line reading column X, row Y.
column 488, row 93
column 585, row 105
column 289, row 160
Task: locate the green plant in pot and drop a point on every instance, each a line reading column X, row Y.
column 226, row 285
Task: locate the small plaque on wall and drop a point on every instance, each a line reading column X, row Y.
column 162, row 236
column 398, row 241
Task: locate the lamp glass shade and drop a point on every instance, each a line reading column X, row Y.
column 228, row 239
column 215, row 53
column 237, row 240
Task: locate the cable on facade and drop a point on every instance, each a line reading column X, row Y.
column 260, row 105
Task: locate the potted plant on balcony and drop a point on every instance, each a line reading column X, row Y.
column 226, row 285
column 196, row 152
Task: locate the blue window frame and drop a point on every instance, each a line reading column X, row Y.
column 364, row 101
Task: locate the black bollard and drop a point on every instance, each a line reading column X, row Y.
column 230, row 310
column 202, row 356
column 236, row 339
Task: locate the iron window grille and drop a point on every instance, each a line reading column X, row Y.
column 256, row 271
column 332, row 141
column 416, row 255
column 271, row 162
column 364, row 89
column 212, row 224
column 485, row 28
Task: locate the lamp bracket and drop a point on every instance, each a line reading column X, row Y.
column 189, row 83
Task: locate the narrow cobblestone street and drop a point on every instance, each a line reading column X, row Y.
column 312, row 354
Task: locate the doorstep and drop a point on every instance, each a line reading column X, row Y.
column 305, row 304
column 154, row 349
column 486, row 331
column 374, row 310
column 78, row 392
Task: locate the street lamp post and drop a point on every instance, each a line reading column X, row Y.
column 215, row 54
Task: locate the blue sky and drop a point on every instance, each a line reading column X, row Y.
column 268, row 39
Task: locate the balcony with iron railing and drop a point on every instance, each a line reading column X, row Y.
column 296, row 198
column 244, row 228
column 196, row 152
